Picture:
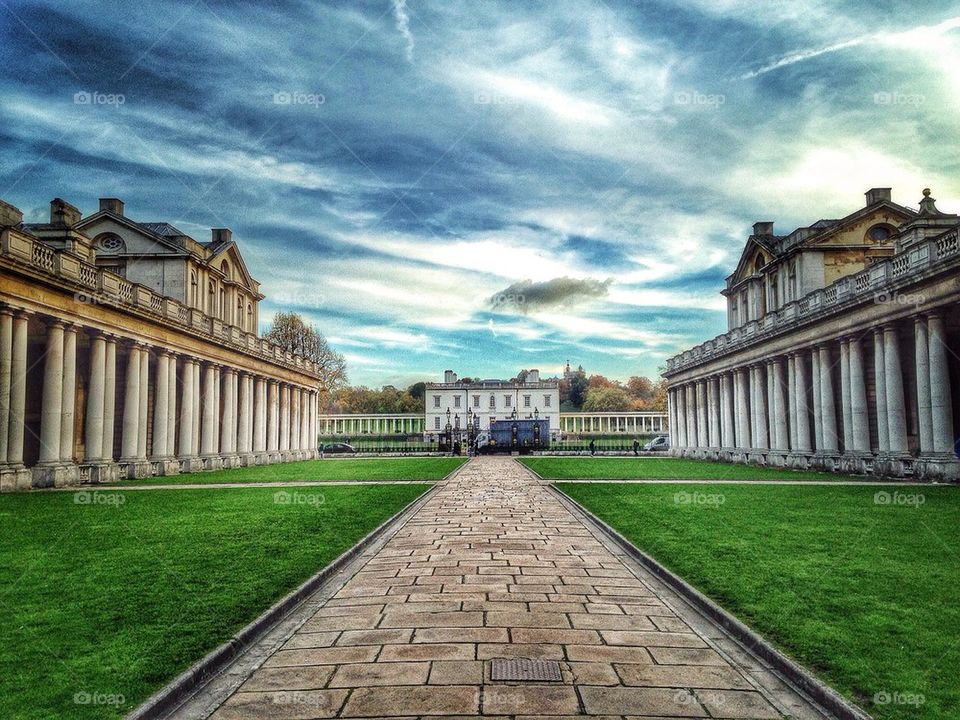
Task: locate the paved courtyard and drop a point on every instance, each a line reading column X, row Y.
column 494, row 566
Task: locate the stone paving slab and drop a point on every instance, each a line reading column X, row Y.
column 494, row 566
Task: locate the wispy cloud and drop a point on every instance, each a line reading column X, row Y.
column 403, row 25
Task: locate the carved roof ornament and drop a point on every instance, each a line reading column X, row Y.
column 928, row 206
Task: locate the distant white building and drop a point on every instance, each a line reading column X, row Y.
column 464, row 403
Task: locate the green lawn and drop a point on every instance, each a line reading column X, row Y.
column 329, row 470
column 661, row 468
column 865, row 594
column 111, row 598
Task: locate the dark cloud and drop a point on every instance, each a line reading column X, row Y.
column 526, row 295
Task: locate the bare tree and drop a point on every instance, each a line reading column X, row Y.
column 289, row 331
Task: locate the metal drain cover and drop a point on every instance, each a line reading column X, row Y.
column 524, row 670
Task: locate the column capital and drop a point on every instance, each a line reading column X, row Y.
column 50, row 321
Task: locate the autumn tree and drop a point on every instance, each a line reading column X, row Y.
column 292, row 333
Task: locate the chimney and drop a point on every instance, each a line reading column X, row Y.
column 219, row 235
column 63, row 213
column 112, row 205
column 10, row 216
column 533, row 376
column 763, row 228
column 449, row 377
column 876, row 195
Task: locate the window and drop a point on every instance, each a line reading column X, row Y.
column 110, row 243
column 546, row 401
column 506, row 400
column 211, row 300
column 250, row 327
column 193, row 300
column 223, row 305
column 526, row 401
column 456, row 401
column 239, row 317
column 436, row 423
column 476, row 401
column 436, row 401
column 493, row 401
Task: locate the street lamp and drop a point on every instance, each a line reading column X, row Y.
column 536, row 413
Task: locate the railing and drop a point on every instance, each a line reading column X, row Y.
column 118, row 292
column 902, row 267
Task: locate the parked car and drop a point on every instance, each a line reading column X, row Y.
column 661, row 443
column 337, row 448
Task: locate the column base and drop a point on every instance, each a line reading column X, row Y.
column 856, row 463
column 937, row 467
column 798, row 461
column 230, row 461
column 248, row 459
column 55, row 475
column 212, row 462
column 96, row 473
column 757, row 456
column 15, row 477
column 893, row 465
column 828, row 462
column 274, row 457
column 166, row 466
column 777, row 458
column 137, row 469
column 190, row 464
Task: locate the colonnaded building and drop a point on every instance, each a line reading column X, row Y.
column 129, row 349
column 842, row 349
column 478, row 403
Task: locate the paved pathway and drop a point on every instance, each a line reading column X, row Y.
column 494, row 566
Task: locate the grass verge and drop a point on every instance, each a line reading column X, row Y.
column 859, row 584
column 329, row 470
column 108, row 598
column 662, row 468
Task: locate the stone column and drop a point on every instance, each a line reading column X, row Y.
column 780, row 434
column 187, row 399
column 109, row 396
column 18, row 390
column 760, row 408
column 743, row 409
column 896, row 402
column 51, row 414
column 144, row 399
column 259, row 415
column 827, row 403
column 941, row 408
column 229, row 411
column 274, row 425
column 197, row 408
column 726, row 411
column 208, row 428
column 6, row 365
column 131, row 406
column 713, row 388
column 160, row 407
column 702, row 415
column 880, row 391
column 243, row 429
column 171, row 418
column 284, row 419
column 817, row 400
column 924, row 414
column 93, row 438
column 791, row 406
column 858, row 399
column 305, row 421
column 67, row 425
column 803, row 410
column 681, row 429
column 295, row 412
column 847, row 410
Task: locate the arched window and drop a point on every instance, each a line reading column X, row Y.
column 225, row 269
column 193, row 300
column 238, row 318
column 250, row 327
column 211, row 299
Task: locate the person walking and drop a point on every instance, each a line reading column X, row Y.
column 593, row 447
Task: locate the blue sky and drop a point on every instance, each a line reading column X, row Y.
column 483, row 186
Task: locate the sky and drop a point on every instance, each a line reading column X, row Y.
column 482, row 186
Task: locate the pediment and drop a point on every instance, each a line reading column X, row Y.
column 228, row 256
column 135, row 238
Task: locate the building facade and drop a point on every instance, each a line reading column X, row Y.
column 130, row 349
column 841, row 353
column 351, row 424
column 479, row 403
column 613, row 423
